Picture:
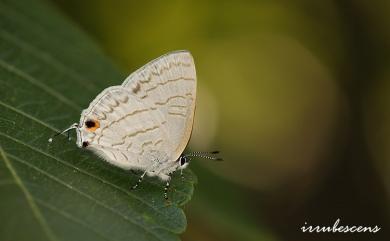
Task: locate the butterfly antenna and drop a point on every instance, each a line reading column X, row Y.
column 203, row 152
column 73, row 126
column 207, row 155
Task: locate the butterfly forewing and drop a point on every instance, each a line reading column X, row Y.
column 169, row 85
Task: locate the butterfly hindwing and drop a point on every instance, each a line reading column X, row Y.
column 128, row 129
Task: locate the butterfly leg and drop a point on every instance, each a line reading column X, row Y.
column 139, row 180
column 143, row 174
column 167, row 187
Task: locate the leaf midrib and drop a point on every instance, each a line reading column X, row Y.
column 30, row 200
column 70, row 217
column 72, row 188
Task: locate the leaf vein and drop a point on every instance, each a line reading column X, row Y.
column 28, row 116
column 34, row 208
column 37, row 83
column 70, row 217
column 72, row 188
column 47, row 58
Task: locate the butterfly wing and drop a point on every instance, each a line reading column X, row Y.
column 129, row 133
column 169, row 84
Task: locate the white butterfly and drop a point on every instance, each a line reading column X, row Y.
column 145, row 123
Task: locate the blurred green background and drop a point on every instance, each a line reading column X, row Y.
column 295, row 94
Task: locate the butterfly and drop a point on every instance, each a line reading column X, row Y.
column 146, row 122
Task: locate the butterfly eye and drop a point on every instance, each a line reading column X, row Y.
column 92, row 125
column 182, row 160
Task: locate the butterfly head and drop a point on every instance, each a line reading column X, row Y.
column 85, row 131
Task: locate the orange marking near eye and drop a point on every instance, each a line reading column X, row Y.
column 92, row 125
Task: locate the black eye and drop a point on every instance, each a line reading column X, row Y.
column 85, row 143
column 182, row 160
column 90, row 123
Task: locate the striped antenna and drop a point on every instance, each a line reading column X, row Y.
column 207, row 155
column 73, row 126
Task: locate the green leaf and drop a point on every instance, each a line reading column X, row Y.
column 49, row 72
